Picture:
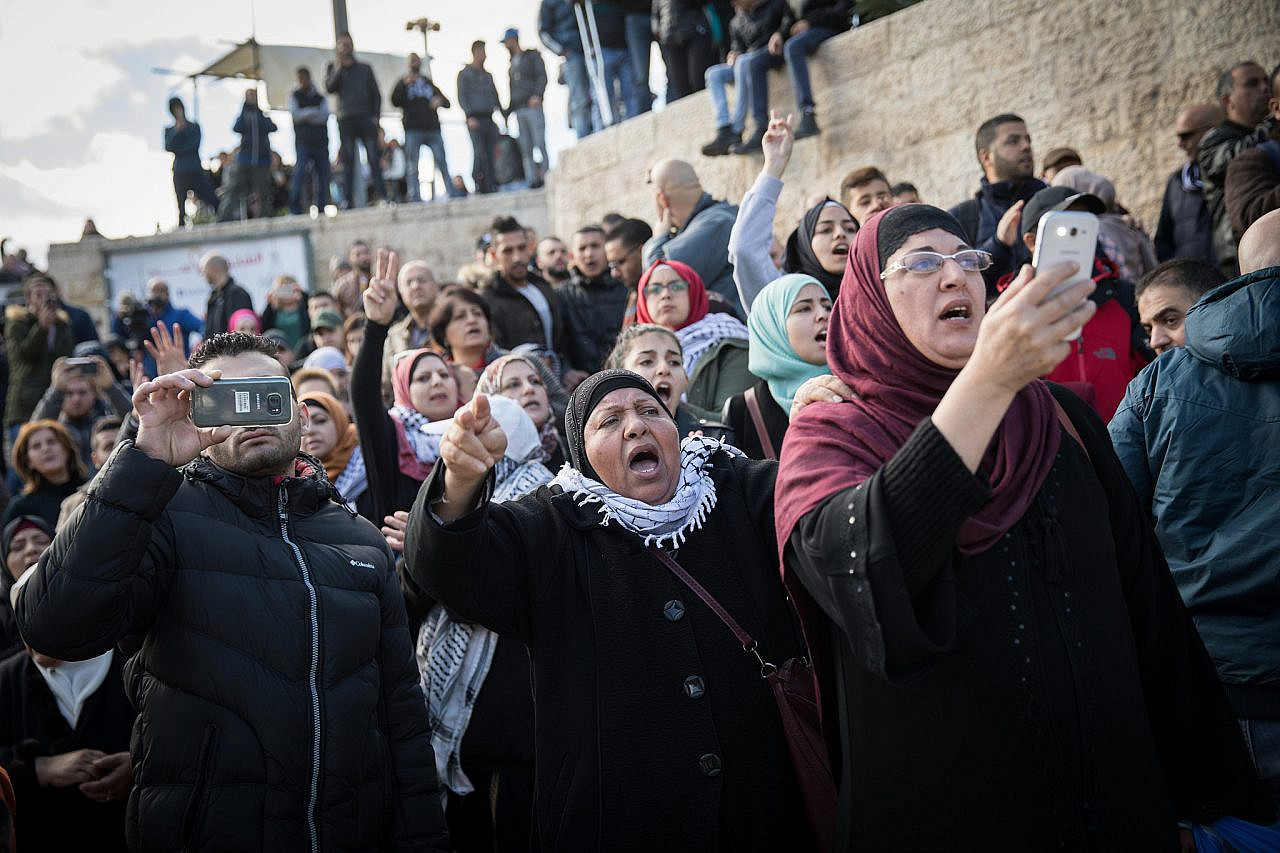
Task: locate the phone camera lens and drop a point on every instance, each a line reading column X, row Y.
column 274, row 404
column 1075, row 231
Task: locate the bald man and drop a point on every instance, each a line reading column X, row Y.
column 1185, row 229
column 1197, row 434
column 692, row 227
column 226, row 297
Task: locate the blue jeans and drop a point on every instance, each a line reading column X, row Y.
column 619, row 82
column 639, row 44
column 575, row 74
column 796, row 51
column 413, row 142
column 719, row 77
column 317, row 159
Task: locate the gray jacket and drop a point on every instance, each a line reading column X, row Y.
column 528, row 77
column 751, row 237
column 356, row 88
column 477, row 95
column 703, row 243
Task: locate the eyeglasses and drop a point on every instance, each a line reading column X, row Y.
column 674, row 286
column 923, row 263
column 614, row 266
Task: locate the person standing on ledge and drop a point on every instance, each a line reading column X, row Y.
column 359, row 106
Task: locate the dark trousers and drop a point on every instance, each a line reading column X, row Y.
column 484, row 139
column 487, row 819
column 687, row 66
column 312, row 161
column 365, row 131
column 198, row 183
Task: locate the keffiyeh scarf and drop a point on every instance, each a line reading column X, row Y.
column 670, row 522
column 698, row 338
column 354, row 479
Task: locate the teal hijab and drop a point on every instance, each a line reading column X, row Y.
column 771, row 356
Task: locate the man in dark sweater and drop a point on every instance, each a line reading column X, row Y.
column 226, row 298
column 1185, row 229
column 359, row 105
column 528, row 79
column 478, row 98
column 991, row 218
column 418, row 99
column 592, row 300
column 310, row 113
column 1244, row 92
column 1253, row 178
column 182, row 140
column 252, row 173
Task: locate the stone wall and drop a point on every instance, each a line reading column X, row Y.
column 907, row 92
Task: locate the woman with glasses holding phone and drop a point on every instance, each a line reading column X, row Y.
column 1012, row 656
column 672, row 295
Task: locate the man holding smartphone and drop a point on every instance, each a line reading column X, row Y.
column 278, row 699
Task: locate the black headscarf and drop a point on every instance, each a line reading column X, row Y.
column 907, row 220
column 584, row 401
column 800, row 257
column 10, row 531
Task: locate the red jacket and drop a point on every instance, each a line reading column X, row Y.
column 1109, row 352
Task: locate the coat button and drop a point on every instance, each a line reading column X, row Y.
column 709, row 764
column 673, row 610
column 694, row 688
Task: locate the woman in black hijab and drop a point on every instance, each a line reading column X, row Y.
column 654, row 727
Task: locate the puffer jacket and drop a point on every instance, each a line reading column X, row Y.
column 1197, row 434
column 277, row 695
column 592, row 309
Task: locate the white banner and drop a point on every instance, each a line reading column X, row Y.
column 255, row 262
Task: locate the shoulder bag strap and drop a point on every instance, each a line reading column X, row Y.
column 757, row 418
column 1070, row 428
column 748, row 644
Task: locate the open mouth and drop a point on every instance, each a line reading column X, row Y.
column 644, row 461
column 956, row 312
column 821, row 337
column 840, row 249
column 664, row 390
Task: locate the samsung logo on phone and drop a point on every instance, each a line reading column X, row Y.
column 363, row 565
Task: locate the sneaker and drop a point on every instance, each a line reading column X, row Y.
column 750, row 145
column 808, row 125
column 725, row 139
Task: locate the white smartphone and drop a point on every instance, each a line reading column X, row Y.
column 1066, row 235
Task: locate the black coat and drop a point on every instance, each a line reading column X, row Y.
column 224, row 302
column 738, row 417
column 514, row 319
column 276, row 685
column 31, row 727
column 1049, row 689
column 751, row 29
column 1185, row 229
column 592, row 309
column 675, row 23
column 654, row 729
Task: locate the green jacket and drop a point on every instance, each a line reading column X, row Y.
column 720, row 374
column 31, row 359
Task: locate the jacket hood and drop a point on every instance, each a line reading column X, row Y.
column 1233, row 327
column 309, row 488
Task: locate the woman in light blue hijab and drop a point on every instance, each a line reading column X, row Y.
column 788, row 334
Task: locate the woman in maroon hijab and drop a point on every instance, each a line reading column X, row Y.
column 1014, row 664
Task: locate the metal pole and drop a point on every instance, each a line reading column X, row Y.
column 593, row 73
column 339, row 18
column 599, row 55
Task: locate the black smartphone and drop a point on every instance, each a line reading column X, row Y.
column 83, row 365
column 243, row 401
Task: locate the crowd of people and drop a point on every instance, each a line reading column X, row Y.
column 714, row 46
column 674, row 534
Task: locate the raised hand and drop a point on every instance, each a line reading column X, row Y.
column 776, row 144
column 165, row 429
column 1007, row 230
column 393, row 528
column 165, row 349
column 380, row 296
column 1025, row 331
column 470, row 448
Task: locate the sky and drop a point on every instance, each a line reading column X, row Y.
column 83, row 132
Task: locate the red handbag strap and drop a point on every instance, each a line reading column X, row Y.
column 757, row 418
column 748, row 644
